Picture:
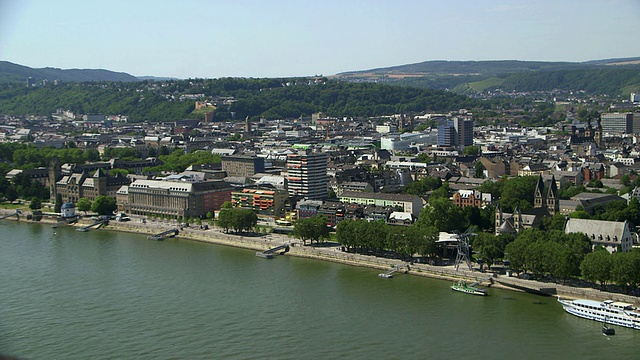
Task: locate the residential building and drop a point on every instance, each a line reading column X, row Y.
column 242, row 166
column 612, row 235
column 407, row 203
column 173, row 199
column 263, row 200
column 307, row 175
column 464, row 198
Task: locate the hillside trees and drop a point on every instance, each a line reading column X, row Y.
column 269, row 98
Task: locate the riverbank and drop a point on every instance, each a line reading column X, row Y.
column 261, row 242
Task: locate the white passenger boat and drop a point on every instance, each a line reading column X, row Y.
column 608, row 311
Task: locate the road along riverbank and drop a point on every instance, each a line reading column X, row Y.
column 263, row 242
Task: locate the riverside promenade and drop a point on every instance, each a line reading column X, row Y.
column 261, row 242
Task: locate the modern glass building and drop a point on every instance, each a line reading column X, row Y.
column 617, row 123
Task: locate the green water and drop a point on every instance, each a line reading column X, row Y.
column 107, row 295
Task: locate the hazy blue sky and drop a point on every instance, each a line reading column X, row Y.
column 269, row 38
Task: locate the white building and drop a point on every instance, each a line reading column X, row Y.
column 612, row 235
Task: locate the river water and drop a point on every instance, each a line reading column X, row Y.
column 108, row 295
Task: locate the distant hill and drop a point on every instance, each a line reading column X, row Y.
column 497, row 67
column 10, row 72
column 609, row 76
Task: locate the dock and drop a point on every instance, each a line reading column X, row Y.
column 165, row 234
column 96, row 224
column 389, row 274
column 65, row 222
column 529, row 286
column 268, row 254
column 16, row 214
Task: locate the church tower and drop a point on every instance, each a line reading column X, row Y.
column 55, row 174
column 499, row 217
column 588, row 132
column 553, row 203
column 597, row 136
column 540, row 198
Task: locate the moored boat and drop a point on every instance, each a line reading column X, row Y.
column 462, row 286
column 608, row 311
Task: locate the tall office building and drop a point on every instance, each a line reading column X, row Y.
column 457, row 132
column 446, row 134
column 617, row 123
column 307, row 175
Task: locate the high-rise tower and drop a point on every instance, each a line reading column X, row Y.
column 307, row 174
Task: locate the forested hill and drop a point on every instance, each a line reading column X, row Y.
column 269, row 98
column 10, row 72
column 611, row 77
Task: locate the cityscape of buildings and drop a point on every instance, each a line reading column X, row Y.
column 341, row 168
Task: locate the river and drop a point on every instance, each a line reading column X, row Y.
column 109, row 295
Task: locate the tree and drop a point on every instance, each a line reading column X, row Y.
column 312, row 229
column 596, row 266
column 518, row 191
column 11, row 194
column 225, row 219
column 488, row 247
column 35, row 203
column 443, row 215
column 58, row 205
column 471, row 151
column 84, row 205
column 555, row 222
column 479, row 170
column 104, row 205
column 244, row 220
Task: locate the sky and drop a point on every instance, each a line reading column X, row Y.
column 282, row 38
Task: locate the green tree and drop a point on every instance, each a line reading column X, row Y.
column 35, row 203
column 555, row 222
column 488, row 247
column 84, row 205
column 312, row 229
column 58, row 205
column 471, row 151
column 443, row 215
column 225, row 219
column 104, row 205
column 479, row 170
column 596, row 266
column 518, row 191
column 244, row 220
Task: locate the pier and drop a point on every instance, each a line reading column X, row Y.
column 96, row 224
column 268, row 254
column 65, row 222
column 16, row 214
column 165, row 234
column 388, row 274
column 529, row 286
